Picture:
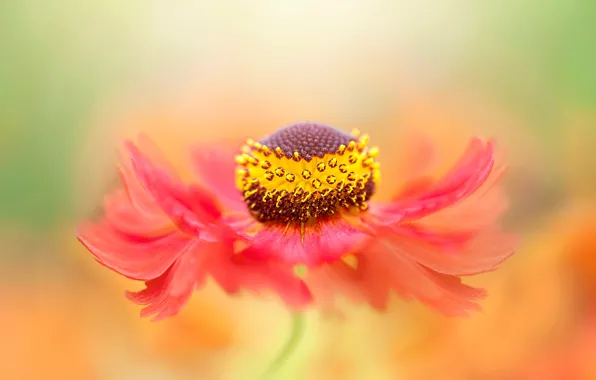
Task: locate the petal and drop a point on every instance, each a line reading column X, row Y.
column 470, row 172
column 383, row 269
column 216, row 168
column 167, row 294
column 121, row 214
column 457, row 299
column 464, row 179
column 414, row 189
column 460, row 253
column 132, row 211
column 324, row 241
column 259, row 277
column 140, row 258
column 235, row 273
column 190, row 207
column 332, row 281
column 481, row 209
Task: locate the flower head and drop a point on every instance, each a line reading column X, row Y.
column 301, row 197
column 305, row 172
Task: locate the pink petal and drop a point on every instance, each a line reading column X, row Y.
column 482, row 209
column 259, row 277
column 235, row 273
column 414, row 189
column 383, row 268
column 331, row 282
column 326, row 240
column 132, row 210
column 454, row 253
column 140, row 258
column 463, row 180
column 472, row 169
column 190, row 207
column 120, row 212
column 216, row 167
column 167, row 294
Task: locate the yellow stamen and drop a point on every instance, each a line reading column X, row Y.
column 306, row 186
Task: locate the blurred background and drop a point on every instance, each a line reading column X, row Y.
column 78, row 77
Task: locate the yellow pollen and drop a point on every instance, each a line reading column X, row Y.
column 373, row 152
column 293, row 185
column 351, row 261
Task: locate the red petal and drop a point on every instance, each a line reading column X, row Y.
column 189, row 207
column 132, row 210
column 259, row 277
column 463, row 180
column 234, row 273
column 325, row 241
column 134, row 257
column 167, row 294
column 124, row 217
column 480, row 210
column 216, row 168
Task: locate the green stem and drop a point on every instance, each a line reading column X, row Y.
column 298, row 325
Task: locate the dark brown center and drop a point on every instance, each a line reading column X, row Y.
column 308, row 139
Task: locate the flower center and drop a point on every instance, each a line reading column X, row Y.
column 306, row 171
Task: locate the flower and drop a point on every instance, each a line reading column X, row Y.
column 293, row 213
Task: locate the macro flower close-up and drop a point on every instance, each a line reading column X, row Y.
column 295, row 214
column 290, row 190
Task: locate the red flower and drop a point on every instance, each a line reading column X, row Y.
column 301, row 197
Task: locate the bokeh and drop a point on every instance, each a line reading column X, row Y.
column 78, row 77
